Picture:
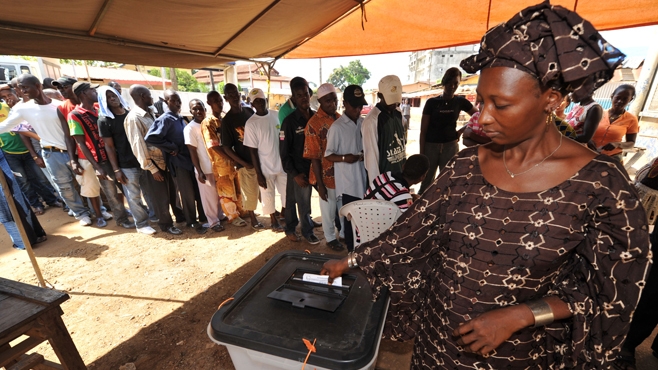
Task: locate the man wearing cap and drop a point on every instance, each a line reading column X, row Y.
column 345, row 150
column 261, row 135
column 42, row 114
column 384, row 146
column 167, row 134
column 322, row 170
column 83, row 126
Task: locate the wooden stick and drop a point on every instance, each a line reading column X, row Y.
column 21, row 228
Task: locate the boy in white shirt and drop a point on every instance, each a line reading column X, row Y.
column 261, row 135
column 201, row 160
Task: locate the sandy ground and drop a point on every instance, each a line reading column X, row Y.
column 146, row 301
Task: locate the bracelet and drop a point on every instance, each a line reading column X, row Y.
column 119, row 170
column 35, row 157
column 542, row 312
column 351, row 260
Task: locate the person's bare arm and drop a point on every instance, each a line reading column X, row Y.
column 262, row 182
column 316, row 166
column 112, row 156
column 236, row 158
column 424, row 125
column 591, row 124
column 70, row 144
column 100, row 172
column 33, row 153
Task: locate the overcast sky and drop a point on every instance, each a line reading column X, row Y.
column 632, row 41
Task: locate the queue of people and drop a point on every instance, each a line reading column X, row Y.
column 528, row 251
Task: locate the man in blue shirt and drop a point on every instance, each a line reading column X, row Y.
column 166, row 133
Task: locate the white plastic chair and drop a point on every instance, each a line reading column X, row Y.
column 371, row 217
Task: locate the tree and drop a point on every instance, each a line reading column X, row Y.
column 354, row 74
column 186, row 82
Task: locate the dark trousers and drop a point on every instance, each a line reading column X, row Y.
column 298, row 199
column 174, row 200
column 32, row 181
column 159, row 200
column 349, row 234
column 645, row 317
column 190, row 198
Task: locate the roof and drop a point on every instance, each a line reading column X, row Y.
column 120, row 75
column 243, row 74
column 633, row 62
column 212, row 33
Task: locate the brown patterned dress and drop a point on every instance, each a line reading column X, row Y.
column 467, row 247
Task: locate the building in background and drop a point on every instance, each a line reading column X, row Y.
column 430, row 65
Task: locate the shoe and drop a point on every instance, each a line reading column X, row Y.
column 200, row 229
column 106, row 215
column 17, row 247
column 293, row 237
column 148, row 230
column 100, row 222
column 85, row 221
column 277, row 228
column 218, row 228
column 316, row 224
column 336, row 245
column 57, row 204
column 257, row 226
column 154, row 219
column 126, row 224
column 173, row 230
column 71, row 213
column 41, row 239
column 312, row 239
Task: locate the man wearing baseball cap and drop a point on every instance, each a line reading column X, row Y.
column 261, row 136
column 345, row 150
column 322, row 170
column 384, row 146
column 83, row 126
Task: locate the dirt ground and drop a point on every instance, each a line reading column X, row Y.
column 144, row 302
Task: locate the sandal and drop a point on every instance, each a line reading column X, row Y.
column 218, row 228
column 277, row 228
column 258, row 226
column 239, row 222
column 37, row 211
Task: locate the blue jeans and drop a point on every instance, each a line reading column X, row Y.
column 109, row 188
column 298, row 199
column 133, row 193
column 32, row 181
column 62, row 174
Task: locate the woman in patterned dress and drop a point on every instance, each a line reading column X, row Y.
column 529, row 252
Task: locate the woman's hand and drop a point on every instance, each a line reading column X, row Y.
column 486, row 332
column 334, row 268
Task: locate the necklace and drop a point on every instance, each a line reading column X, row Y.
column 613, row 118
column 512, row 174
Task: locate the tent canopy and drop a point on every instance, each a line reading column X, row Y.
column 207, row 33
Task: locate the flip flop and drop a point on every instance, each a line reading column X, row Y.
column 258, row 226
column 239, row 222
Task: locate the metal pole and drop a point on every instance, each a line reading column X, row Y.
column 21, row 229
column 212, row 81
column 164, row 80
column 87, row 69
column 645, row 80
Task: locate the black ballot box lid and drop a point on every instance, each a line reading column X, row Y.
column 346, row 338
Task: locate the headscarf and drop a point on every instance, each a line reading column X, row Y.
column 103, row 108
column 551, row 43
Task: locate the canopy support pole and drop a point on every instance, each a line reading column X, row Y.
column 21, row 228
column 246, row 26
column 99, row 17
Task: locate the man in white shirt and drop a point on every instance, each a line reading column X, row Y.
column 57, row 146
column 261, row 135
column 203, row 167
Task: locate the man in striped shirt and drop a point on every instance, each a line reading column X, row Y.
column 394, row 187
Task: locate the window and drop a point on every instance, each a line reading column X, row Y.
column 25, row 69
column 7, row 72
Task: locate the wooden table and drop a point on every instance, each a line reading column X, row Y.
column 34, row 312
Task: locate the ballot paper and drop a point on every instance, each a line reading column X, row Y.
column 322, row 279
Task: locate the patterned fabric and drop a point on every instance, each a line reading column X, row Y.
column 226, row 177
column 475, row 126
column 84, row 122
column 577, row 115
column 551, row 43
column 564, row 128
column 315, row 145
column 467, row 247
column 391, row 187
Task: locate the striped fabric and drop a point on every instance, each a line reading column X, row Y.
column 391, row 187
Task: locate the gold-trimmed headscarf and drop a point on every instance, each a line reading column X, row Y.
column 553, row 44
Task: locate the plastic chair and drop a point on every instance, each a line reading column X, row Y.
column 370, row 218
